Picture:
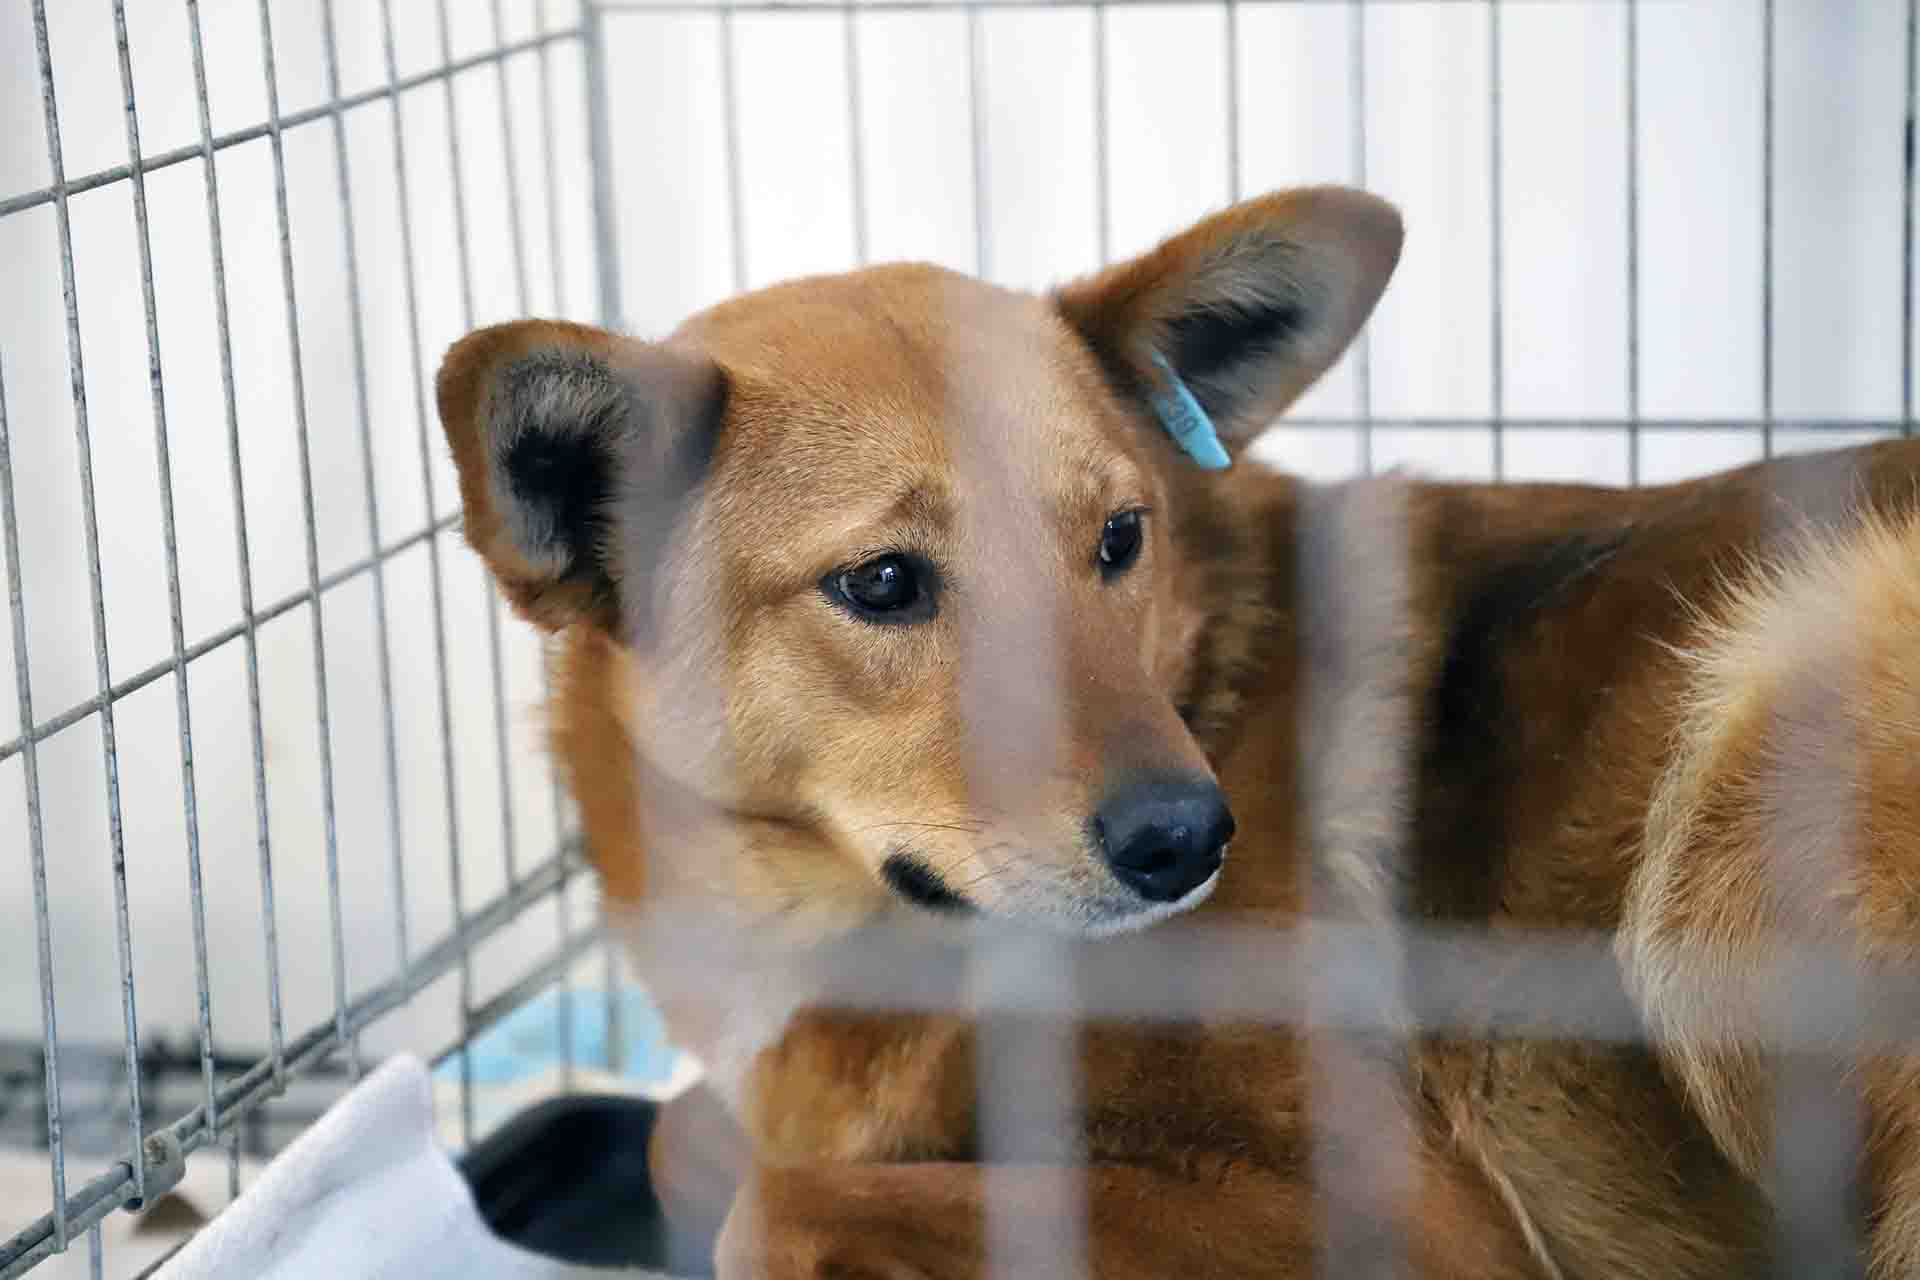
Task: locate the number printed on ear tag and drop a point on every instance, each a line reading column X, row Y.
column 1187, row 422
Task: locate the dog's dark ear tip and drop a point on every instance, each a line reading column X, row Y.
column 1206, row 339
column 1250, row 306
column 562, row 482
column 557, row 416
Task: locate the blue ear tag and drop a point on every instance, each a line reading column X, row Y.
column 1187, row 422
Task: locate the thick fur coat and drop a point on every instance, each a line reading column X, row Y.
column 1681, row 718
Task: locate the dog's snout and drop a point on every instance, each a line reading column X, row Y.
column 1164, row 837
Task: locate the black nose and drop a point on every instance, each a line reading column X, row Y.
column 1164, row 836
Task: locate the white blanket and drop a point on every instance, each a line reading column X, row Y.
column 366, row 1193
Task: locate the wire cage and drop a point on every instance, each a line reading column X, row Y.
column 270, row 782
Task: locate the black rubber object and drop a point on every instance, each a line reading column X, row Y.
column 568, row 1178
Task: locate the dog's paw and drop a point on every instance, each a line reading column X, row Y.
column 799, row 1225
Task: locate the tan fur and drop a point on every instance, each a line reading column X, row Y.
column 1643, row 713
column 1789, row 815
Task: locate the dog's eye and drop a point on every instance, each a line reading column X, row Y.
column 1120, row 543
column 886, row 588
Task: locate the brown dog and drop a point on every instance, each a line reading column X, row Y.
column 886, row 598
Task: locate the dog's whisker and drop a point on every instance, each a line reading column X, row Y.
column 989, row 872
column 947, row 866
column 967, row 855
column 964, row 828
column 985, row 876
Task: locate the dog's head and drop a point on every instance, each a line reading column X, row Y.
column 889, row 557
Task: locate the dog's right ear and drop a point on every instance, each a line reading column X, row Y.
column 1242, row 311
column 559, row 431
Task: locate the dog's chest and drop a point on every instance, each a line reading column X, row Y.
column 757, row 1016
column 722, row 1012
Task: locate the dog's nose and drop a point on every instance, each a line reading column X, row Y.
column 1163, row 837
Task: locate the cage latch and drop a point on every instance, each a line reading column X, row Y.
column 166, row 1166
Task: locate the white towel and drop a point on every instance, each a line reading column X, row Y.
column 366, row 1193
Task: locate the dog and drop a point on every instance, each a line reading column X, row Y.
column 894, row 598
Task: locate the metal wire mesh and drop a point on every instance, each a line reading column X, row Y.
column 1550, row 1002
column 154, row 1157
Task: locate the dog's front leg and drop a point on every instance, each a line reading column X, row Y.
column 928, row 1222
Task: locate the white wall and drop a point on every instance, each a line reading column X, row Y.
column 1837, row 289
column 1837, row 249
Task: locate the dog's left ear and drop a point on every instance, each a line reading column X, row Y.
column 577, row 451
column 1246, row 308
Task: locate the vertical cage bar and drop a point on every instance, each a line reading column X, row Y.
column 296, row 365
column 1817, row 1119
column 563, row 987
column 1028, row 1083
column 616, row 1014
column 1818, row 1122
column 90, row 527
column 456, row 877
column 96, row 1253
column 356, row 326
column 517, row 230
column 1102, row 161
column 1907, row 142
column 730, row 140
column 1497, row 217
column 1633, row 241
column 856, row 145
column 516, row 225
column 1345, row 814
column 977, row 114
column 410, row 290
column 36, row 832
column 549, row 167
column 461, row 240
column 1766, row 228
column 1232, row 89
column 1357, row 106
column 556, row 265
column 606, row 248
column 606, row 242
column 276, row 1027
column 163, row 465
